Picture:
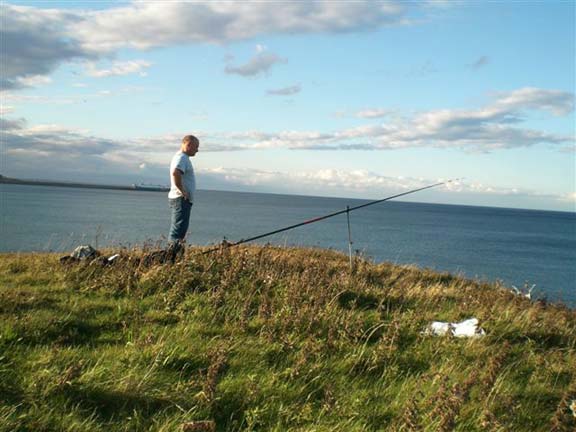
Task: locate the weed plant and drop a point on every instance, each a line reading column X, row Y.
column 274, row 339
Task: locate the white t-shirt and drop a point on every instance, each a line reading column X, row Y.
column 181, row 161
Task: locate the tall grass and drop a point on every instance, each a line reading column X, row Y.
column 273, row 339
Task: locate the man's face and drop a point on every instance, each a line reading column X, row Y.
column 191, row 148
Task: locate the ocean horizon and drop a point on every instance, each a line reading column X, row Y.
column 515, row 246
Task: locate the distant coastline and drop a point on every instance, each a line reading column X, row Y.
column 8, row 180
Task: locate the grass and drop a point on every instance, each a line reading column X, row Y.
column 274, row 339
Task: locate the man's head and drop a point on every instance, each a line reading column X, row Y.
column 190, row 145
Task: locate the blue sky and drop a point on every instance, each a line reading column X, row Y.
column 356, row 99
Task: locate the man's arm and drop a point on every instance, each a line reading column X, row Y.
column 177, row 175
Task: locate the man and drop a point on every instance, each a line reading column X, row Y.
column 182, row 187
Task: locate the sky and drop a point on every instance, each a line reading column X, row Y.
column 357, row 99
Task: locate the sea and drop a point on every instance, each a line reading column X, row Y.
column 517, row 247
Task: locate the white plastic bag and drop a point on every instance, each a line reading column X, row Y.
column 466, row 328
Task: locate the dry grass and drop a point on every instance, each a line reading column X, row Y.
column 267, row 338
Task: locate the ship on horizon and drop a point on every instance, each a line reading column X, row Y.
column 149, row 187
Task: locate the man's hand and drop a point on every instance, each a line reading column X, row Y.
column 177, row 174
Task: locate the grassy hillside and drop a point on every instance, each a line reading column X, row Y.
column 273, row 339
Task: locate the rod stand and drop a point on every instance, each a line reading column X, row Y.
column 349, row 237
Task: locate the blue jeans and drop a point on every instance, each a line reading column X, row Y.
column 180, row 218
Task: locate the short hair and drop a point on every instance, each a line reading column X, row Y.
column 189, row 139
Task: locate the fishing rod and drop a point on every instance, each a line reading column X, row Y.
column 320, row 218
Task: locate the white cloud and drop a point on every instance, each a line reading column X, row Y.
column 10, row 125
column 55, row 140
column 65, row 100
column 491, row 128
column 355, row 180
column 257, row 65
column 373, row 113
column 285, row 91
column 144, row 25
column 118, row 68
column 487, row 129
column 32, row 80
column 568, row 197
column 360, row 183
column 6, row 109
column 555, row 101
column 36, row 41
column 41, row 148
